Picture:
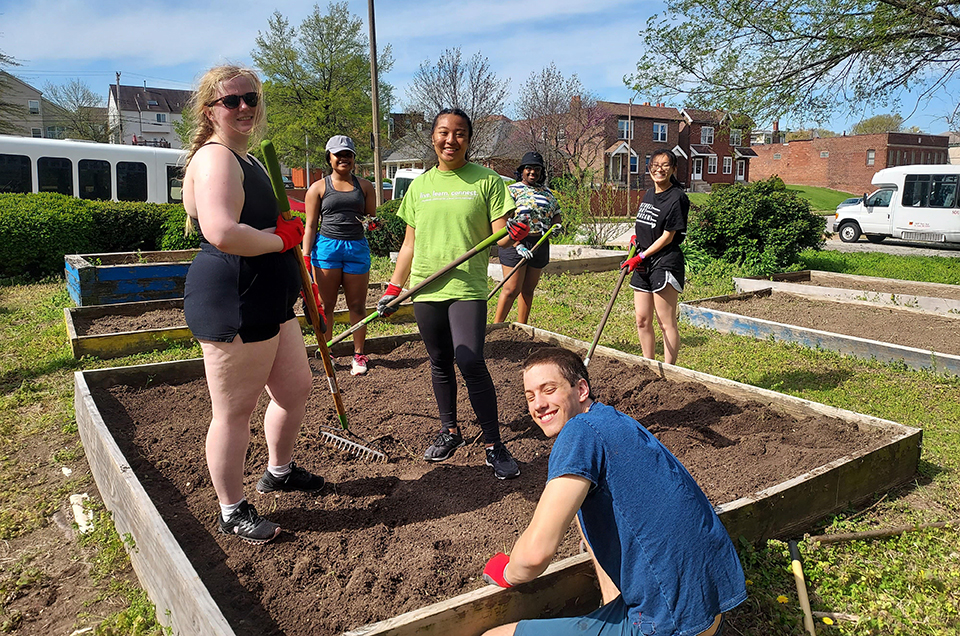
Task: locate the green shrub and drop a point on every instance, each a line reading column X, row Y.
column 761, row 226
column 173, row 237
column 388, row 237
column 37, row 230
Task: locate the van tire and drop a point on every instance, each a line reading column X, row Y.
column 849, row 232
column 875, row 238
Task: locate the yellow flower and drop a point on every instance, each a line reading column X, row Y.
column 827, row 620
column 748, row 582
column 782, row 599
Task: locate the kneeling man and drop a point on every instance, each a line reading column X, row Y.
column 665, row 562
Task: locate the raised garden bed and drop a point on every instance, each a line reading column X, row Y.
column 935, row 298
column 404, row 542
column 126, row 277
column 570, row 259
column 110, row 331
column 857, row 328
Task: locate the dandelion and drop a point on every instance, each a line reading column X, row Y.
column 748, row 582
column 827, row 620
column 782, row 599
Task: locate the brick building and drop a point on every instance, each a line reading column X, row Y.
column 846, row 163
column 714, row 147
column 632, row 132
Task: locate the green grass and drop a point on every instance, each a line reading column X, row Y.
column 902, row 585
column 822, row 200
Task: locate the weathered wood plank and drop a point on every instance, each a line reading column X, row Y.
column 169, row 578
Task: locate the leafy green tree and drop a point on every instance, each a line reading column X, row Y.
column 184, row 127
column 809, row 133
column 317, row 83
column 81, row 111
column 8, row 111
column 878, row 124
column 761, row 226
column 813, row 58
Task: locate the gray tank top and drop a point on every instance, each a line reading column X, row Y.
column 341, row 212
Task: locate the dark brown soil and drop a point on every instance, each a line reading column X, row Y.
column 383, row 539
column 171, row 318
column 896, row 326
column 888, row 286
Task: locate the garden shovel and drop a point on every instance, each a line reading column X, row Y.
column 606, row 314
column 313, row 313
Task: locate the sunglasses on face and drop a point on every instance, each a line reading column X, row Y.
column 231, row 102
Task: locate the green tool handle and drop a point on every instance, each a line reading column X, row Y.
column 606, row 314
column 522, row 262
column 482, row 245
column 309, row 300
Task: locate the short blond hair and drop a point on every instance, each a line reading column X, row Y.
column 207, row 91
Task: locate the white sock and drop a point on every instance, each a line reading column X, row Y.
column 228, row 509
column 279, row 471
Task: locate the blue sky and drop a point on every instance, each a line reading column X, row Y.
column 167, row 44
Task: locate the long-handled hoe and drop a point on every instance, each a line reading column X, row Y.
column 606, row 314
column 313, row 312
column 479, row 247
column 522, row 262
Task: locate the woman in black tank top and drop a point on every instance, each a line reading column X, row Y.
column 334, row 246
column 238, row 300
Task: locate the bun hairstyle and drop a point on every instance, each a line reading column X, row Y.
column 672, row 160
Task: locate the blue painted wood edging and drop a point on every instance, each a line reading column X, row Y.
column 726, row 322
column 104, row 279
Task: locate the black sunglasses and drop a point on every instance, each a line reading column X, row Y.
column 231, row 102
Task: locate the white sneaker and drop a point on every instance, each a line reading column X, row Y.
column 359, row 366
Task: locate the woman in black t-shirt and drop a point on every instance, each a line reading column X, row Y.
column 658, row 267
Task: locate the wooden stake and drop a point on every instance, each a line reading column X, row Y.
column 801, row 588
column 881, row 532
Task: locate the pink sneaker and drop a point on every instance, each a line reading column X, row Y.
column 359, row 366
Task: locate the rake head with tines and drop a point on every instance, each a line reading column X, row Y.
column 358, row 450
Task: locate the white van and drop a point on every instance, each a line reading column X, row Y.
column 915, row 203
column 403, row 179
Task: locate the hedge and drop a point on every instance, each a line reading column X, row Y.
column 37, row 230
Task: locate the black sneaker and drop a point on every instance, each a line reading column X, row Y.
column 503, row 464
column 248, row 525
column 298, row 479
column 443, row 447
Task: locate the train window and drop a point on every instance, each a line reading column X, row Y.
column 15, row 174
column 55, row 174
column 131, row 181
column 174, row 184
column 94, row 179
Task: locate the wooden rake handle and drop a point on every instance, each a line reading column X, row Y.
column 606, row 314
column 309, row 300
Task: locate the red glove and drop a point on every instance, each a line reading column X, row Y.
column 633, row 241
column 306, row 261
column 392, row 292
column 290, row 231
column 493, row 572
column 632, row 263
column 373, row 224
column 517, row 230
column 316, row 297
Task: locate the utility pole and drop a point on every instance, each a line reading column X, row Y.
column 375, row 99
column 119, row 111
column 306, row 142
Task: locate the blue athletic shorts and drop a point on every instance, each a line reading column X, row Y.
column 353, row 257
column 610, row 620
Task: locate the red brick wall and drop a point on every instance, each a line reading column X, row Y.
column 845, row 168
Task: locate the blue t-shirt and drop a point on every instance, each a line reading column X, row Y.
column 650, row 526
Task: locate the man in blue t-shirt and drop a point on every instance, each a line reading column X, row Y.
column 665, row 563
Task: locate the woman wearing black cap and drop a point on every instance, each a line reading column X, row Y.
column 538, row 208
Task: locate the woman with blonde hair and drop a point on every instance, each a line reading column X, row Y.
column 238, row 300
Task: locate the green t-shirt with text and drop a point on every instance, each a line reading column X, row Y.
column 451, row 212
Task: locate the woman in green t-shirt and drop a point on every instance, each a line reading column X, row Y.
column 448, row 210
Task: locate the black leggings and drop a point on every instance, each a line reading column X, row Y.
column 454, row 331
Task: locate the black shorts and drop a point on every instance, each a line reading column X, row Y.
column 510, row 258
column 656, row 279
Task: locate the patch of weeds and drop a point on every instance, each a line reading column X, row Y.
column 139, row 618
column 70, row 454
column 111, row 551
column 16, row 580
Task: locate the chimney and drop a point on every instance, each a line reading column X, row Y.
column 575, row 101
column 776, row 125
column 660, row 105
column 646, row 103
